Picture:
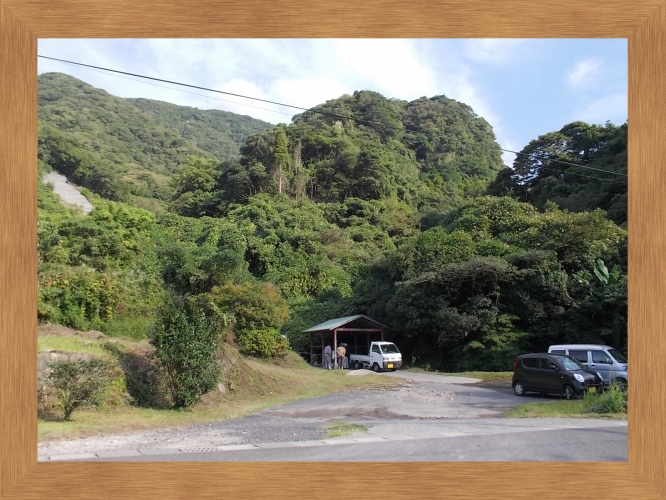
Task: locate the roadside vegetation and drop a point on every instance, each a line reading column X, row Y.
column 337, row 429
column 611, row 403
column 136, row 400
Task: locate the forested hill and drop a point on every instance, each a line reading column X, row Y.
column 121, row 148
column 428, row 153
column 362, row 205
column 219, row 133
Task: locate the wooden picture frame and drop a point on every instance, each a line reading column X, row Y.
column 22, row 22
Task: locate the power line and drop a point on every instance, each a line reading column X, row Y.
column 563, row 161
column 192, row 93
column 583, row 175
column 313, row 110
column 172, row 82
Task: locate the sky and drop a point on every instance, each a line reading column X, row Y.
column 523, row 87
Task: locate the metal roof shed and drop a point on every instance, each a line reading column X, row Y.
column 349, row 326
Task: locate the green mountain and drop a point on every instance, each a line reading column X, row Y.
column 219, row 133
column 128, row 147
column 428, row 153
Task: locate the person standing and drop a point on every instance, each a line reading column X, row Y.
column 341, row 355
column 327, row 357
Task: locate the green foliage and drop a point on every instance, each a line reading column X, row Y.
column 122, row 148
column 253, row 306
column 194, row 184
column 186, row 337
column 495, row 350
column 197, row 254
column 378, row 211
column 77, row 297
column 81, row 383
column 415, row 152
column 603, row 148
column 612, row 400
column 263, row 343
column 606, row 277
column 219, row 133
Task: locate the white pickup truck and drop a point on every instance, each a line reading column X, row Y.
column 382, row 356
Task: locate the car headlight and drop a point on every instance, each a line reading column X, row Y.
column 579, row 377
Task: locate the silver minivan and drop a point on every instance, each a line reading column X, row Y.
column 609, row 363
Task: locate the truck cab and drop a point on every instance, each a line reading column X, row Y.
column 381, row 356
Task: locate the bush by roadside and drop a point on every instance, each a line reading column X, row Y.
column 612, row 403
column 79, row 384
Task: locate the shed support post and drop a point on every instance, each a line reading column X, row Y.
column 382, row 335
column 335, row 348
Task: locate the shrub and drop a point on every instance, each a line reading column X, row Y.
column 264, row 343
column 81, row 383
column 186, row 337
column 613, row 400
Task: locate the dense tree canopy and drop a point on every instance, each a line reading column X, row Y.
column 360, row 205
column 546, row 170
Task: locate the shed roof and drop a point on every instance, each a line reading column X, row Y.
column 358, row 321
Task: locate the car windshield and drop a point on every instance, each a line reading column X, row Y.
column 617, row 355
column 389, row 349
column 570, row 364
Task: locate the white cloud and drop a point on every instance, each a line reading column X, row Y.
column 307, row 92
column 613, row 108
column 392, row 67
column 507, row 157
column 583, row 72
column 494, row 50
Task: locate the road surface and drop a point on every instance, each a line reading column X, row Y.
column 433, row 418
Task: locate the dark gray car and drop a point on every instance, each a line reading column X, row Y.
column 553, row 374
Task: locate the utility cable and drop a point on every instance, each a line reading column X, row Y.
column 313, row 110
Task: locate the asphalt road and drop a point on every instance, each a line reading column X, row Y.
column 599, row 444
column 433, row 418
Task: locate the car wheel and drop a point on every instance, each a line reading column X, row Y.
column 357, row 365
column 519, row 389
column 621, row 384
column 375, row 368
column 569, row 392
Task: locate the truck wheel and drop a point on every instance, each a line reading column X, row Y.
column 375, row 368
column 357, row 365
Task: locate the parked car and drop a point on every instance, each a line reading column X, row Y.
column 553, row 374
column 608, row 362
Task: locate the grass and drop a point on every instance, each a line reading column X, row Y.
column 70, row 344
column 609, row 404
column 269, row 385
column 337, row 429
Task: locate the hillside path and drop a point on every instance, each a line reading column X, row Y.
column 67, row 192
